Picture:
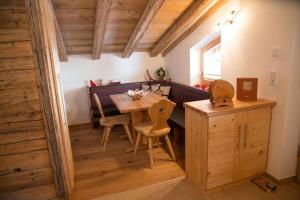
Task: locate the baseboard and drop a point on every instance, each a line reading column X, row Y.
column 281, row 181
column 80, row 126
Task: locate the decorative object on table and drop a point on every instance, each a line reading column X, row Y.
column 265, row 183
column 247, row 89
column 161, row 72
column 158, row 92
column 136, row 94
column 221, row 93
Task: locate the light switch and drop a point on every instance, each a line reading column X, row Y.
column 273, row 78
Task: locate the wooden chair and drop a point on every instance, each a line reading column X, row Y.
column 109, row 122
column 159, row 113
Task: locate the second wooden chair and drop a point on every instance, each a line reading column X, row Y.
column 159, row 113
column 109, row 122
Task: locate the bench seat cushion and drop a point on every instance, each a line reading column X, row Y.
column 177, row 117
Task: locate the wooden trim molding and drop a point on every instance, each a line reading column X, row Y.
column 280, row 181
column 102, row 14
column 205, row 15
column 62, row 50
column 35, row 12
column 142, row 26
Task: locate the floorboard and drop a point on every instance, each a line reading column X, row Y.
column 98, row 173
column 182, row 189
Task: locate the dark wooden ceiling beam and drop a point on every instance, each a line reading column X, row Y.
column 102, row 14
column 186, row 19
column 142, row 26
column 62, row 50
column 192, row 28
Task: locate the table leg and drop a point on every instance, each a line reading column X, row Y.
column 137, row 118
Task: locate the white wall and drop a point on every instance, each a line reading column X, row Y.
column 82, row 68
column 247, row 52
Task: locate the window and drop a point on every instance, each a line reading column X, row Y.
column 211, row 60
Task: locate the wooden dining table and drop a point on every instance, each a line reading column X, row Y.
column 137, row 108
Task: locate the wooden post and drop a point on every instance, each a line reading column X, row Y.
column 37, row 13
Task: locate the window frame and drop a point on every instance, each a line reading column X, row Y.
column 204, row 49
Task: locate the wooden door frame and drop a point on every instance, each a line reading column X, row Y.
column 45, row 87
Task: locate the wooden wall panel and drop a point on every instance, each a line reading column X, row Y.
column 16, row 63
column 13, row 26
column 15, row 49
column 21, row 180
column 16, row 79
column 24, row 162
column 25, row 168
column 32, row 193
column 16, row 137
column 23, row 147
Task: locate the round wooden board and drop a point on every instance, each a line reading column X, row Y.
column 221, row 92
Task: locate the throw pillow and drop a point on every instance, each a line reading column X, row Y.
column 145, row 88
column 165, row 90
column 154, row 87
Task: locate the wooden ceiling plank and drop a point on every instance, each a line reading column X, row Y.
column 186, row 19
column 62, row 50
column 102, row 13
column 142, row 26
column 200, row 21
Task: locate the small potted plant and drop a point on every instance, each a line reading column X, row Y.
column 161, row 72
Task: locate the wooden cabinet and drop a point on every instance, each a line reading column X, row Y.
column 226, row 144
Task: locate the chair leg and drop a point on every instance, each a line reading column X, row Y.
column 137, row 142
column 103, row 135
column 150, row 151
column 128, row 133
column 106, row 138
column 170, row 147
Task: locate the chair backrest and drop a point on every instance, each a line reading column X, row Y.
column 99, row 105
column 160, row 112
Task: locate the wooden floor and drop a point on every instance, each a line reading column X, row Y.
column 184, row 190
column 98, row 174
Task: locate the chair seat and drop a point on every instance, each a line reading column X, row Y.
column 115, row 120
column 146, row 129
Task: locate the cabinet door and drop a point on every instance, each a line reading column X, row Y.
column 223, row 144
column 255, row 139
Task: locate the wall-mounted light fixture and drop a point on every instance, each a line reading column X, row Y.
column 227, row 19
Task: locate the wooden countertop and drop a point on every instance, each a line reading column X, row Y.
column 206, row 107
